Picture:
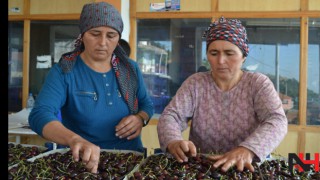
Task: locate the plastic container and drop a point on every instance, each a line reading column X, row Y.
column 30, row 102
column 47, row 157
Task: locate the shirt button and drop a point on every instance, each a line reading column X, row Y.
column 104, row 75
column 110, row 103
column 109, row 94
column 107, row 84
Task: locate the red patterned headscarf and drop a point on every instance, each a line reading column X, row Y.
column 229, row 30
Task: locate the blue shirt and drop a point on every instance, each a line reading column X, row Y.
column 91, row 104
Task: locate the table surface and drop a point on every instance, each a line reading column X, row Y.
column 18, row 123
column 22, row 131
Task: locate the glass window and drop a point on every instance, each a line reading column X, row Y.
column 170, row 50
column 48, row 41
column 275, row 51
column 313, row 89
column 15, row 56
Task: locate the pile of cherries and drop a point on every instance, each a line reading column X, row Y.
column 61, row 166
column 118, row 165
column 164, row 166
column 18, row 152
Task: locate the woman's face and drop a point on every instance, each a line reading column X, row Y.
column 225, row 59
column 100, row 42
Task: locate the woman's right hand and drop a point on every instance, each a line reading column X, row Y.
column 81, row 148
column 182, row 149
column 87, row 152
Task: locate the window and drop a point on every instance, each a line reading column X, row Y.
column 49, row 40
column 275, row 51
column 170, row 50
column 313, row 86
column 15, row 54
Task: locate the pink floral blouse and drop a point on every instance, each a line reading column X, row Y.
column 248, row 115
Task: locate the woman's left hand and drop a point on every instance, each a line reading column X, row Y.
column 240, row 157
column 129, row 127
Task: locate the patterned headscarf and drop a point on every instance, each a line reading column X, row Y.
column 229, row 30
column 104, row 14
column 100, row 14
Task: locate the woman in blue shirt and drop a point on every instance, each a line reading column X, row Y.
column 100, row 91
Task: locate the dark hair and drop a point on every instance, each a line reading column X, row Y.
column 125, row 46
column 202, row 69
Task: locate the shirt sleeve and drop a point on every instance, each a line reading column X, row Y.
column 174, row 118
column 49, row 100
column 272, row 119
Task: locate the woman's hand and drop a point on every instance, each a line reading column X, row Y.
column 129, row 127
column 81, row 149
column 240, row 156
column 182, row 149
column 86, row 151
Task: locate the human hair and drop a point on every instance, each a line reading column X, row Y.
column 125, row 46
column 202, row 69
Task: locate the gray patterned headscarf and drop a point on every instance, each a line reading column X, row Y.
column 100, row 14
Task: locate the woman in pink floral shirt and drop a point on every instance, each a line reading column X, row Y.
column 233, row 112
